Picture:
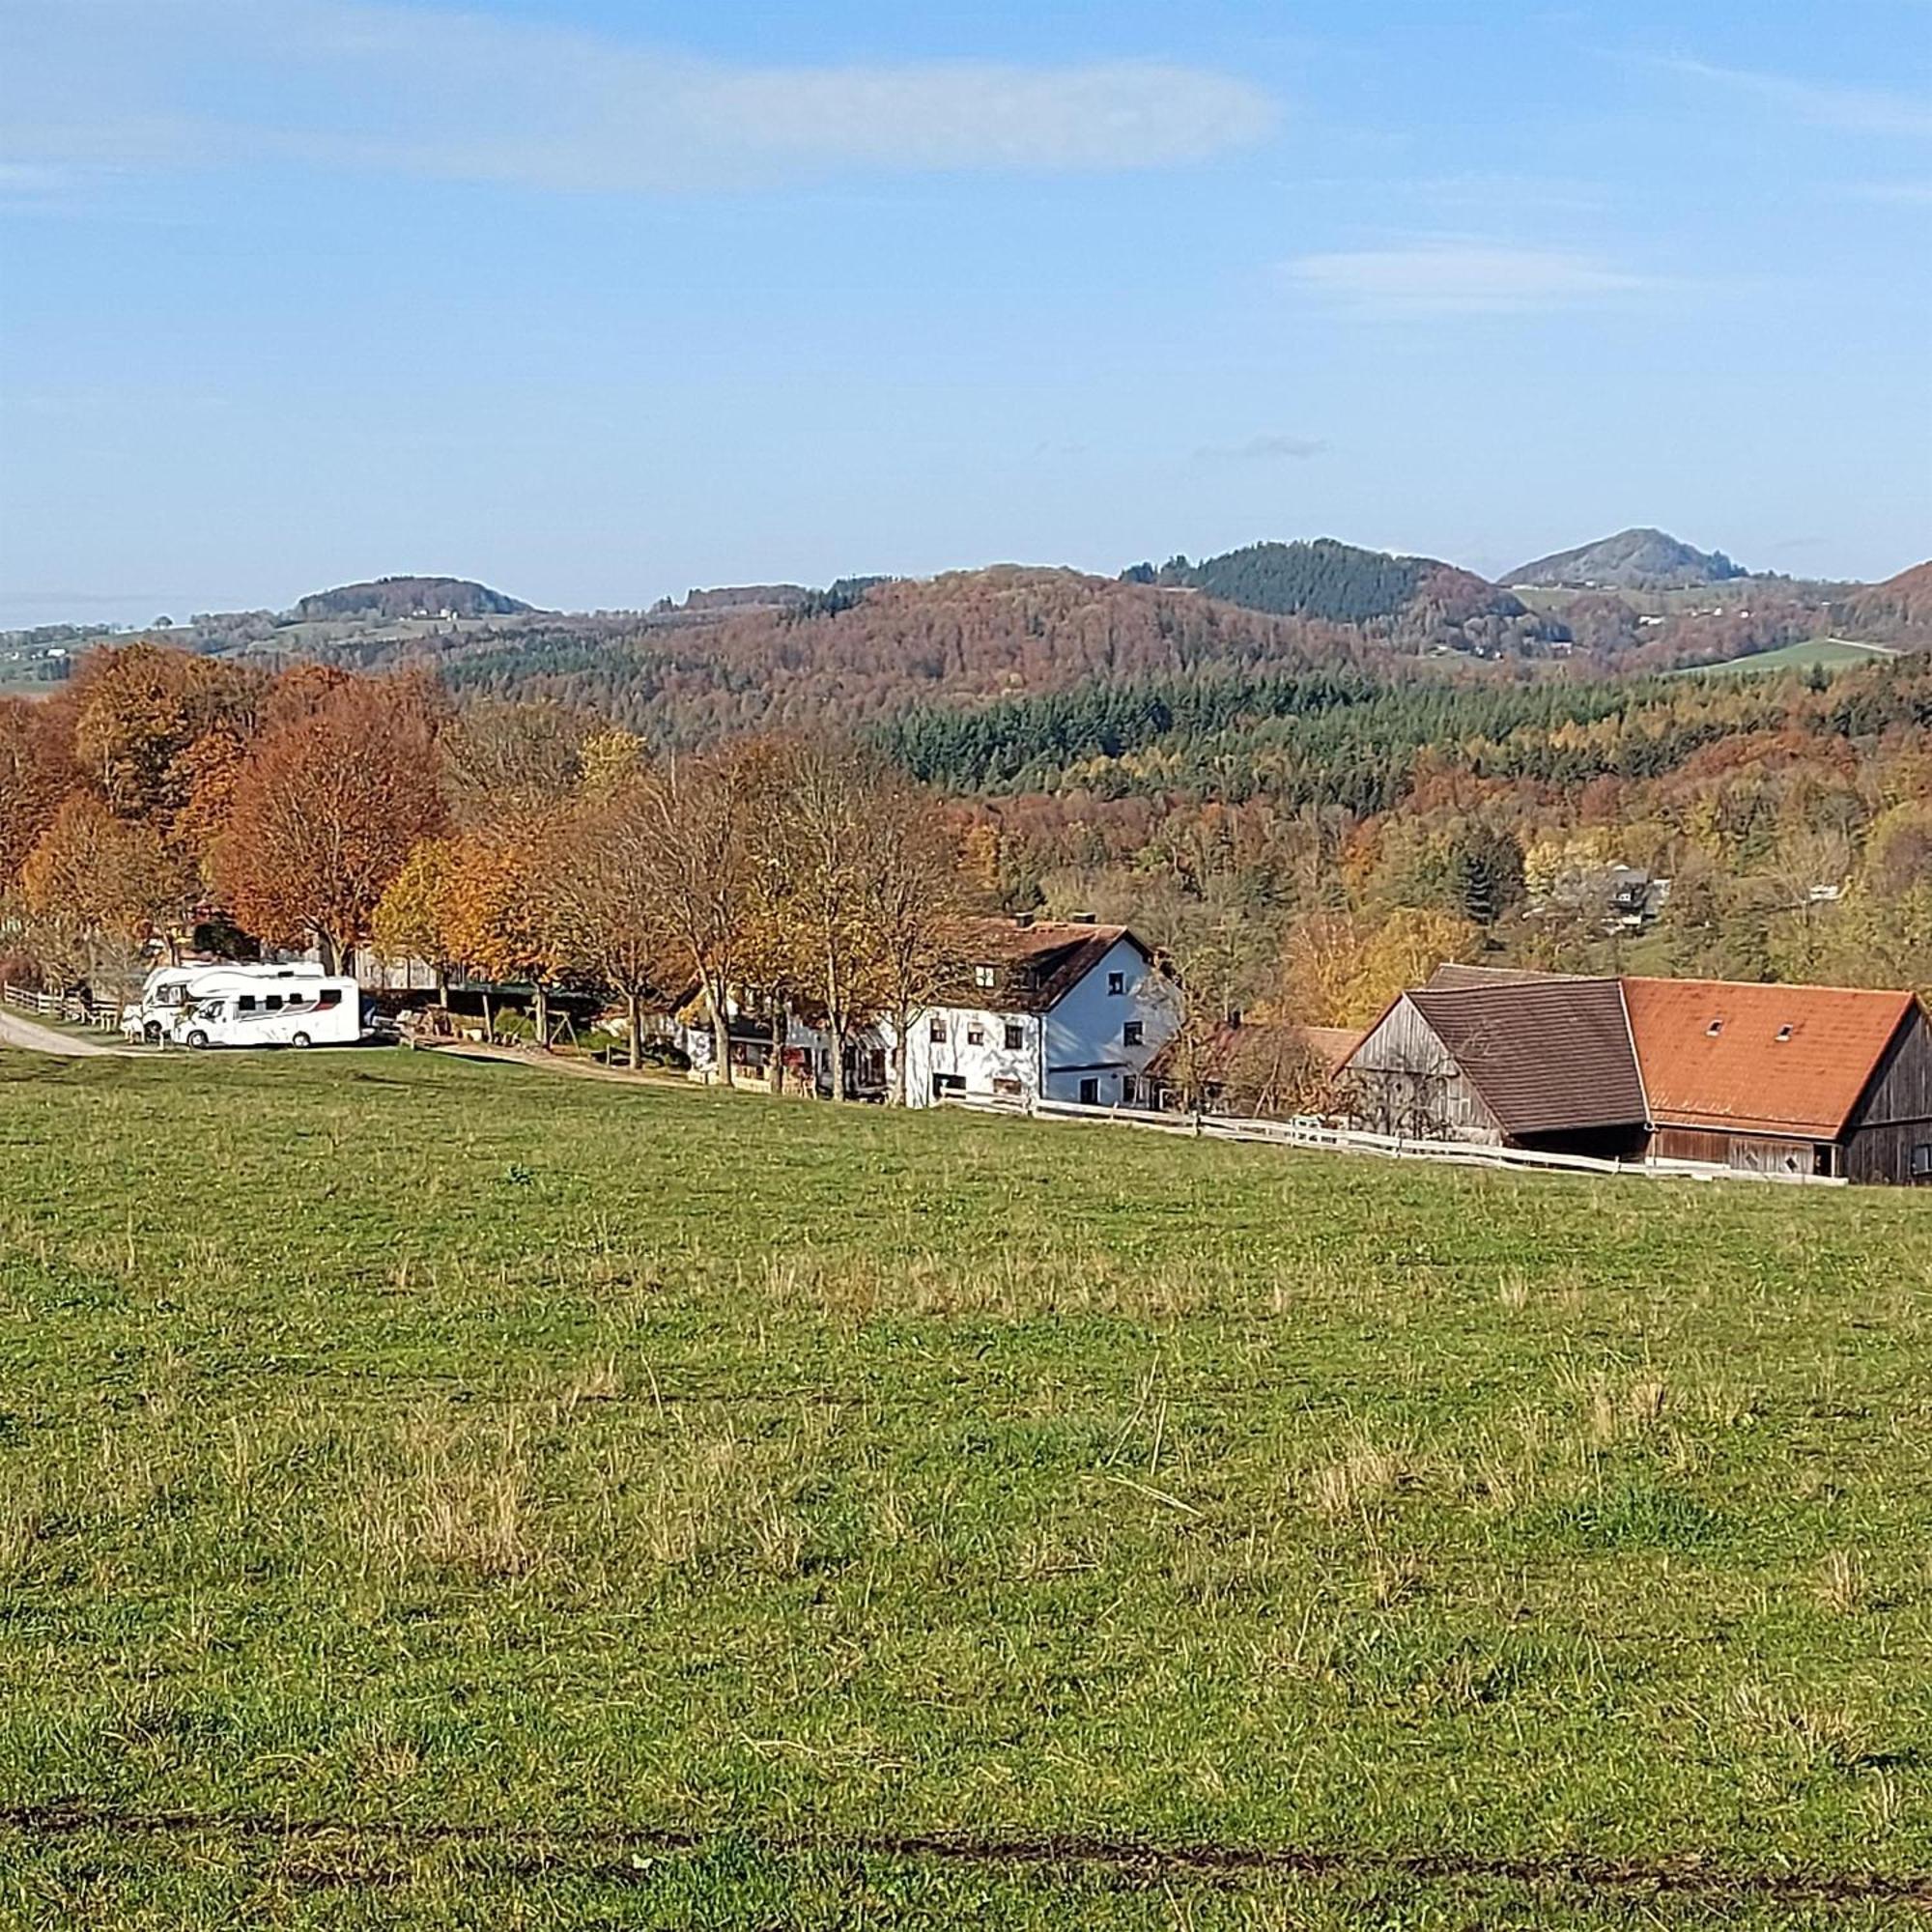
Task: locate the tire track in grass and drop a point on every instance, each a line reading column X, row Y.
column 601, row 1852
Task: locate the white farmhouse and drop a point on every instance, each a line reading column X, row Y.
column 1044, row 1009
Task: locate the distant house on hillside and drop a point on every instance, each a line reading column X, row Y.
column 1766, row 1079
column 1054, row 1010
column 1535, row 1061
column 1787, row 1079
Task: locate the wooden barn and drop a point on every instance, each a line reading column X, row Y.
column 1521, row 1060
column 1824, row 1080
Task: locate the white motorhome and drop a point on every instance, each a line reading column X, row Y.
column 308, row 1012
column 169, row 990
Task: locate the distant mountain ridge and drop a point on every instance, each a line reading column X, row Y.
column 391, row 599
column 1634, row 559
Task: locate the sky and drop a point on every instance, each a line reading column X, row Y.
column 598, row 302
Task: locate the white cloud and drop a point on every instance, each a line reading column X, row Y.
column 394, row 87
column 1451, row 277
column 1856, row 110
column 1263, row 449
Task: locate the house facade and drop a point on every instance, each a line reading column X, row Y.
column 1062, row 1009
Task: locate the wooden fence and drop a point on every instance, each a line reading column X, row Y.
column 1319, row 1135
column 68, row 1007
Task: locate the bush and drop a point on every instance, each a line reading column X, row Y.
column 22, row 969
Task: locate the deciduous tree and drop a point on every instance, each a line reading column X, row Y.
column 325, row 812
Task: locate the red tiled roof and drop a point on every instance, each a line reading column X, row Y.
column 1759, row 1059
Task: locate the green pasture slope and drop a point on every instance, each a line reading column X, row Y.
column 1813, row 654
column 448, row 1494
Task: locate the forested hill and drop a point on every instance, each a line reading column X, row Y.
column 1639, row 560
column 1896, row 611
column 392, row 599
column 846, row 660
column 1411, row 601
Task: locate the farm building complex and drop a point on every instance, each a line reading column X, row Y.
column 1766, row 1079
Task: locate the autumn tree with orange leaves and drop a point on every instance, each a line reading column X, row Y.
column 96, row 887
column 326, row 811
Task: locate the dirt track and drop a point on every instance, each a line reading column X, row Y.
column 512, row 1851
column 19, row 1031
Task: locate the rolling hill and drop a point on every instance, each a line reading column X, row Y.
column 390, row 599
column 1635, row 559
column 1416, row 602
column 1896, row 611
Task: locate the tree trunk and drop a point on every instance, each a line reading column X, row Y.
column 837, row 1032
column 441, row 977
column 779, row 1015
column 332, row 957
column 721, row 1038
column 489, row 1018
column 541, row 1014
column 901, row 1054
column 634, row 1006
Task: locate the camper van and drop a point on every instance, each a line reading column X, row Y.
column 306, row 1012
column 170, row 990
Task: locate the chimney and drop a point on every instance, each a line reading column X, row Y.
column 1080, row 918
column 1024, row 921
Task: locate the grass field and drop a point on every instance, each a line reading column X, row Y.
column 1814, row 653
column 437, row 1494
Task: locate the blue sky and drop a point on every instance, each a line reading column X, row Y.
column 598, row 302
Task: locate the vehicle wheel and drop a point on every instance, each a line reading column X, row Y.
column 198, row 1038
column 151, row 1033
column 301, row 1040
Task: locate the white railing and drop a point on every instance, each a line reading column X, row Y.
column 1319, row 1135
column 68, row 1007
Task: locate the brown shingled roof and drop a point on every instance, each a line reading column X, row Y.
column 1759, row 1059
column 1037, row 961
column 1547, row 1054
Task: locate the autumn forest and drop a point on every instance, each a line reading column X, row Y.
column 802, row 803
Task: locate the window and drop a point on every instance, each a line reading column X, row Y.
column 985, row 975
column 1922, row 1163
column 295, row 999
column 1090, row 1092
column 1130, row 1090
column 935, row 1032
column 1008, row 1086
column 247, row 1003
column 976, row 1036
column 1712, row 1031
column 329, row 996
column 1784, row 1033
column 273, row 1003
column 1015, row 1036
column 1132, row 1034
column 1117, row 985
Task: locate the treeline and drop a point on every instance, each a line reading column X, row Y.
column 1792, row 817
column 165, row 799
column 869, row 652
column 1348, row 737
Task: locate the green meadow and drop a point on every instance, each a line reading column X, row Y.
column 442, row 1494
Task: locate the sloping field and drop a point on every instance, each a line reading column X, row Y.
column 1814, row 653
column 433, row 1494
